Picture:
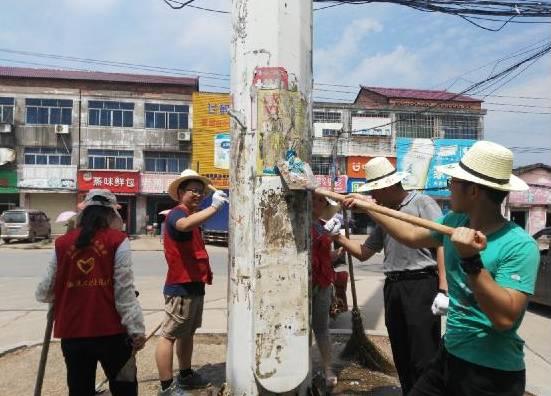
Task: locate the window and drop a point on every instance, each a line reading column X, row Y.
column 105, row 113
column 49, row 111
column 165, row 116
column 329, row 132
column 110, row 159
column 413, row 125
column 321, row 165
column 326, row 116
column 47, row 156
column 156, row 161
column 460, row 127
column 6, row 109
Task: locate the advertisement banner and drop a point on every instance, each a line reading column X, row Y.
column 372, row 126
column 324, row 181
column 354, row 184
column 156, row 183
column 211, row 137
column 50, row 177
column 114, row 180
column 8, row 181
column 420, row 157
column 355, row 165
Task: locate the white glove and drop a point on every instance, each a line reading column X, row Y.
column 440, row 304
column 333, row 226
column 219, row 199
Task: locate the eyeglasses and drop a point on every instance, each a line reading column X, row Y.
column 195, row 191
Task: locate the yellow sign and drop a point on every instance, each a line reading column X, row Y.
column 211, row 129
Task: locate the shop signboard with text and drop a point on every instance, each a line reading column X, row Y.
column 116, row 181
column 355, row 165
column 324, row 181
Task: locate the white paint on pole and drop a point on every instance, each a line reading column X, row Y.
column 268, row 301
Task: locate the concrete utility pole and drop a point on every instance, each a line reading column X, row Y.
column 268, row 292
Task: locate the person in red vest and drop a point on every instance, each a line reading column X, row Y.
column 188, row 272
column 323, row 277
column 96, row 313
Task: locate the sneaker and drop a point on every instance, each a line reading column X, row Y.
column 192, row 381
column 172, row 390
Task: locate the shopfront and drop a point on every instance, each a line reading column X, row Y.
column 124, row 184
column 154, row 195
column 49, row 188
column 9, row 193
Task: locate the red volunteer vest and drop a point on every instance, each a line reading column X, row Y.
column 84, row 295
column 323, row 273
column 188, row 261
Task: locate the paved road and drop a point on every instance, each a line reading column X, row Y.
column 22, row 319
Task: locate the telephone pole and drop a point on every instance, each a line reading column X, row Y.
column 269, row 245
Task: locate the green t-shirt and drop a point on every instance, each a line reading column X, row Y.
column 512, row 258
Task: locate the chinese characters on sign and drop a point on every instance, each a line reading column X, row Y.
column 324, row 181
column 116, row 181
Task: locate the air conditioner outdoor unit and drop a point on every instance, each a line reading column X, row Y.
column 184, row 136
column 61, row 129
column 5, row 127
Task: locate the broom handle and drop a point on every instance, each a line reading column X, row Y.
column 44, row 353
column 431, row 225
column 349, row 259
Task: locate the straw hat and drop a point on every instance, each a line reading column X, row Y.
column 330, row 210
column 187, row 174
column 380, row 173
column 488, row 164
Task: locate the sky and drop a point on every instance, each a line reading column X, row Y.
column 381, row 45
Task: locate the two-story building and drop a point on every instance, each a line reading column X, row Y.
column 72, row 131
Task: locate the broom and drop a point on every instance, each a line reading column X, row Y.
column 359, row 348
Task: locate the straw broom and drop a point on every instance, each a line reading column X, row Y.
column 359, row 347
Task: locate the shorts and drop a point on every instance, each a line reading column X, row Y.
column 183, row 316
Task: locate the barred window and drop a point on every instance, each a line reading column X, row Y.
column 108, row 113
column 6, row 109
column 110, row 159
column 49, row 111
column 166, row 116
column 327, row 116
column 163, row 162
column 47, row 156
column 461, row 127
column 412, row 125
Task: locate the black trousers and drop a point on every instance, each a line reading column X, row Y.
column 413, row 330
column 82, row 356
column 447, row 375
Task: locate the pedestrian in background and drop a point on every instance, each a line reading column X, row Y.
column 323, row 277
column 415, row 279
column 96, row 313
column 491, row 268
column 188, row 273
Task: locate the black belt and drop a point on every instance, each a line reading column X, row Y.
column 411, row 274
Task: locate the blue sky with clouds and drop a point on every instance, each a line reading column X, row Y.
column 374, row 44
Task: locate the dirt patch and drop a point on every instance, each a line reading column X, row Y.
column 19, row 368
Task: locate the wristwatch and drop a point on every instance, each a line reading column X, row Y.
column 472, row 265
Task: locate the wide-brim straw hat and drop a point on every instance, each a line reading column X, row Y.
column 380, row 173
column 330, row 210
column 488, row 164
column 187, row 174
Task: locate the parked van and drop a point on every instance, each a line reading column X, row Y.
column 25, row 224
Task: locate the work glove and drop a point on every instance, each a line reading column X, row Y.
column 333, row 226
column 440, row 304
column 219, row 198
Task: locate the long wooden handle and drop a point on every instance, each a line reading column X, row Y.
column 44, row 353
column 431, row 225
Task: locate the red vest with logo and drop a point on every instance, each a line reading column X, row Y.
column 188, row 261
column 323, row 273
column 84, row 304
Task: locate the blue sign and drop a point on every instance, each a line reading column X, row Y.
column 420, row 157
column 353, row 184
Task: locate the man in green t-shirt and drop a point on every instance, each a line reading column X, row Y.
column 491, row 267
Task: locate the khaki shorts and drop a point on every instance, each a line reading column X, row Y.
column 183, row 315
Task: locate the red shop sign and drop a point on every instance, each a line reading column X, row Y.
column 116, row 181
